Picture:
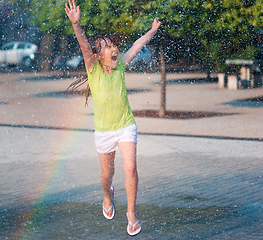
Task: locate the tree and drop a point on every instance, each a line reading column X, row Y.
column 17, row 5
column 98, row 17
column 223, row 27
column 8, row 9
column 255, row 10
column 49, row 16
column 129, row 18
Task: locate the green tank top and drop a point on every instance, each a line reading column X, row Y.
column 112, row 110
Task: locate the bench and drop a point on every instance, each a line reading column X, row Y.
column 240, row 81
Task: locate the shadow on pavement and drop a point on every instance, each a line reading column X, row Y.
column 179, row 114
column 48, row 78
column 75, row 93
column 189, row 81
column 256, row 102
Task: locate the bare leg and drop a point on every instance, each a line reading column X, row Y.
column 107, row 172
column 128, row 151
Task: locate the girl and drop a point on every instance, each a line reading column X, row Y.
column 114, row 122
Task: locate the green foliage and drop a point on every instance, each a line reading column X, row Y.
column 256, row 13
column 17, row 5
column 49, row 16
column 116, row 16
column 97, row 16
column 226, row 28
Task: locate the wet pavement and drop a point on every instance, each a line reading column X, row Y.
column 199, row 178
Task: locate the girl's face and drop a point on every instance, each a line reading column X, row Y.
column 108, row 55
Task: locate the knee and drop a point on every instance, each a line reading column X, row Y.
column 131, row 170
column 107, row 175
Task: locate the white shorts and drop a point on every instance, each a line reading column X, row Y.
column 107, row 141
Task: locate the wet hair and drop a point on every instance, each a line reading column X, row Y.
column 77, row 83
column 95, row 44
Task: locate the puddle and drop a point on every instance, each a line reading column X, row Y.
column 73, row 220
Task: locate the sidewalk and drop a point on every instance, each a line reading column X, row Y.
column 50, row 108
column 190, row 187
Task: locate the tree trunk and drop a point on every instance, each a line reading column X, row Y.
column 64, row 52
column 46, row 50
column 208, row 59
column 163, row 84
column 208, row 66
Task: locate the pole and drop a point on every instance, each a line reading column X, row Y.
column 163, row 84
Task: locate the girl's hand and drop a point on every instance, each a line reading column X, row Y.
column 73, row 12
column 156, row 24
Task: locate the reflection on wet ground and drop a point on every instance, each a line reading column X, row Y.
column 72, row 220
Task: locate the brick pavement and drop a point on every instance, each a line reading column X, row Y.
column 190, row 188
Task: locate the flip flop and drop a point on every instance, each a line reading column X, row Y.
column 111, row 207
column 133, row 225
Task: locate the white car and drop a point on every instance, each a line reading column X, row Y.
column 143, row 61
column 23, row 54
column 75, row 63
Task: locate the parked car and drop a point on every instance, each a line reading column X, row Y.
column 23, row 54
column 75, row 63
column 144, row 61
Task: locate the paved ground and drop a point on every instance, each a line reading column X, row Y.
column 199, row 178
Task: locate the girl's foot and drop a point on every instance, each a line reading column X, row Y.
column 110, row 212
column 134, row 226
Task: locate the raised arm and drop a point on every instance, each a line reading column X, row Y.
column 140, row 43
column 73, row 13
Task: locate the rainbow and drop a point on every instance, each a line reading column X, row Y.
column 30, row 216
